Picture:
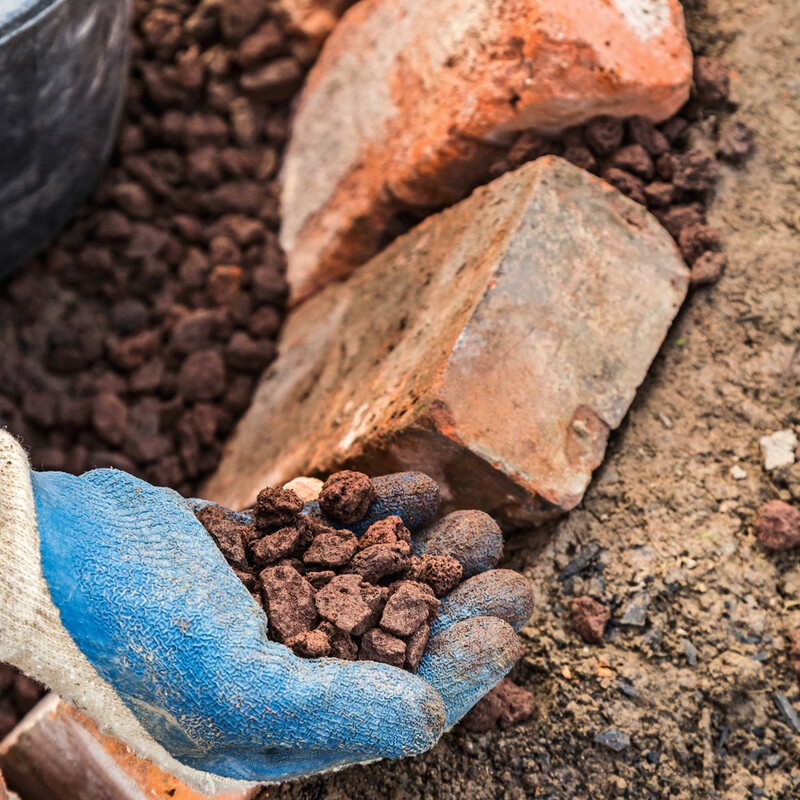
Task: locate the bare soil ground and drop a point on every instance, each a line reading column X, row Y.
column 673, row 526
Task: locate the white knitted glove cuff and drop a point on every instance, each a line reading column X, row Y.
column 33, row 639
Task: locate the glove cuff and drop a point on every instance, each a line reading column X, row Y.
column 33, row 639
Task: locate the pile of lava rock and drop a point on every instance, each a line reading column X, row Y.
column 327, row 592
column 667, row 168
column 137, row 339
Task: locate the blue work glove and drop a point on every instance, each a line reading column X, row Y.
column 150, row 602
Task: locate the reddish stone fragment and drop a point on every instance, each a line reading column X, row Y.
column 342, row 644
column 377, row 645
column 696, row 240
column 289, row 602
column 711, row 80
column 109, row 417
column 634, row 158
column 415, row 646
column 320, row 578
column 385, row 531
column 518, row 703
column 310, row 644
column 580, row 156
column 649, row 137
column 249, row 582
column 133, row 351
column 707, row 269
column 628, row 184
column 348, row 604
column 380, row 560
column 249, row 355
column 264, row 43
column 680, row 217
column 604, row 134
column 778, row 526
column 224, row 282
column 333, row 549
column 695, row 171
column 346, row 496
column 441, row 573
column 227, row 535
column 295, row 563
column 276, row 508
column 202, row 375
column 407, row 608
column 274, row 81
column 484, row 715
column 590, row 618
column 659, row 193
column 284, row 543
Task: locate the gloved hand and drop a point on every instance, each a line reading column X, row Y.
column 115, row 596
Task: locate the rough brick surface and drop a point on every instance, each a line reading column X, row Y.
column 58, row 752
column 492, row 347
column 407, row 103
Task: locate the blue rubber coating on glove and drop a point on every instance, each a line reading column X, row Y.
column 477, row 652
column 498, row 593
column 150, row 601
column 471, row 537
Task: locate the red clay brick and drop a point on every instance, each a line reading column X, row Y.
column 407, row 103
column 494, row 346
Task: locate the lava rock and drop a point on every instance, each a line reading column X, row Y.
column 778, row 526
column 346, row 496
column 590, row 618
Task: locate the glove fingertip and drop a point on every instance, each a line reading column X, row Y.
column 468, row 659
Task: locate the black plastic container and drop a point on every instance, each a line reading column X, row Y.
column 63, row 68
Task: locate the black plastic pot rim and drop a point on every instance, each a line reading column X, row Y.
column 27, row 14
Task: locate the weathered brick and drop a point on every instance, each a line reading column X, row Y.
column 409, row 100
column 492, row 347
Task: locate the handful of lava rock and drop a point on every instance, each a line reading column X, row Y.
column 327, row 592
